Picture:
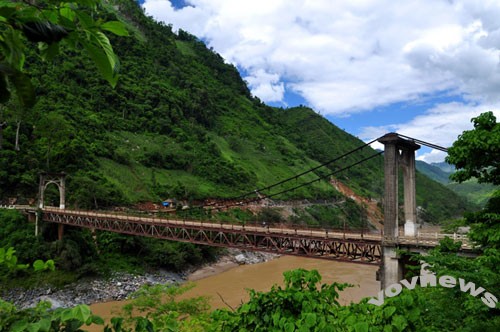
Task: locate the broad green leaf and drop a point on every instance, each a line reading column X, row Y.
column 34, row 327
column 66, row 315
column 289, row 327
column 85, row 20
column 51, row 16
column 10, row 252
column 23, row 13
column 50, row 265
column 361, row 327
column 22, row 266
column 310, row 319
column 101, row 61
column 399, row 322
column 13, row 48
column 81, row 312
column 24, row 89
column 48, row 52
column 4, row 96
column 45, row 325
column 19, row 326
column 104, row 43
column 143, row 324
column 116, row 27
column 276, row 318
column 101, row 52
column 67, row 13
column 389, row 311
column 97, row 320
column 38, row 265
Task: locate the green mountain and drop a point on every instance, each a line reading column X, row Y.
column 477, row 193
column 434, row 172
column 181, row 123
column 445, row 167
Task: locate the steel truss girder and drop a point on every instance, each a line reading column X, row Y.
column 339, row 249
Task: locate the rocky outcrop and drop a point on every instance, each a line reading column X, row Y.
column 252, row 257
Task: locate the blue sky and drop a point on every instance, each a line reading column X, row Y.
column 421, row 68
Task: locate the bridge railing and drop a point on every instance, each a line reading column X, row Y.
column 258, row 227
column 9, row 207
column 440, row 236
column 433, row 238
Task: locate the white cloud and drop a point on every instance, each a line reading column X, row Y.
column 440, row 125
column 345, row 56
column 435, row 156
column 266, row 86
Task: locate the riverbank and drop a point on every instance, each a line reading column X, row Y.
column 121, row 285
column 233, row 259
column 229, row 288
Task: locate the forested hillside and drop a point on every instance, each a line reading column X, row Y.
column 478, row 193
column 181, row 123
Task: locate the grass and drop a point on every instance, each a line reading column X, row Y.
column 266, row 160
column 185, row 48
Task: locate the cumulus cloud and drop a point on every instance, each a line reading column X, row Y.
column 440, row 125
column 435, row 156
column 266, row 86
column 346, row 57
column 349, row 56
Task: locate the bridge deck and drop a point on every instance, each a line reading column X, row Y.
column 355, row 247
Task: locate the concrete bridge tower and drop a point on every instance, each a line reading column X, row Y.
column 59, row 179
column 397, row 152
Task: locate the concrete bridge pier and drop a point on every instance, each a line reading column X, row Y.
column 397, row 152
column 391, row 271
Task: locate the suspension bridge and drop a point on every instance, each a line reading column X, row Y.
column 376, row 248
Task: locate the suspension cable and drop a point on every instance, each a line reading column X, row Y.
column 251, row 200
column 306, row 172
column 240, row 200
column 431, row 145
column 326, row 176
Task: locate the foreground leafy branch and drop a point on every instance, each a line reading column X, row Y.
column 48, row 24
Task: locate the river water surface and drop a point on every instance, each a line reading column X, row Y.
column 231, row 285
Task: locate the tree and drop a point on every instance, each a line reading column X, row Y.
column 49, row 24
column 15, row 112
column 476, row 153
column 54, row 131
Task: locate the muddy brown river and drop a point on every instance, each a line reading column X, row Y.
column 231, row 284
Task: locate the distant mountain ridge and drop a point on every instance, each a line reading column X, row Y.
column 435, row 171
column 445, row 167
column 477, row 193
